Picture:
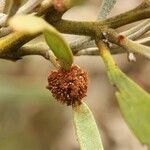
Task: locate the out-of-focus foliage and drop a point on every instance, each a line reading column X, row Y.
column 29, row 120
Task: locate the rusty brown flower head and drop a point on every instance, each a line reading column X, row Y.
column 68, row 87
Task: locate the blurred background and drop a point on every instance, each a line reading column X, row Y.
column 30, row 119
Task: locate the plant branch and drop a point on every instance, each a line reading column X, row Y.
column 33, row 49
column 79, row 45
column 14, row 41
column 91, row 49
column 127, row 44
column 94, row 51
column 84, row 42
column 139, row 13
column 89, row 28
column 86, row 28
column 128, row 18
column 40, row 49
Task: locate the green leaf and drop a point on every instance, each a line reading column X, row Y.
column 134, row 102
column 86, row 129
column 60, row 49
column 106, row 7
column 34, row 25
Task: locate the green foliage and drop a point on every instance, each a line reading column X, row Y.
column 86, row 129
column 55, row 41
column 29, row 118
column 134, row 102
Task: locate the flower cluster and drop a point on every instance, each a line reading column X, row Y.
column 68, row 87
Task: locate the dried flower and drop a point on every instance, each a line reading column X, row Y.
column 68, row 87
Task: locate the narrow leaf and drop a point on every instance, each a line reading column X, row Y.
column 34, row 25
column 134, row 102
column 106, row 7
column 86, row 129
